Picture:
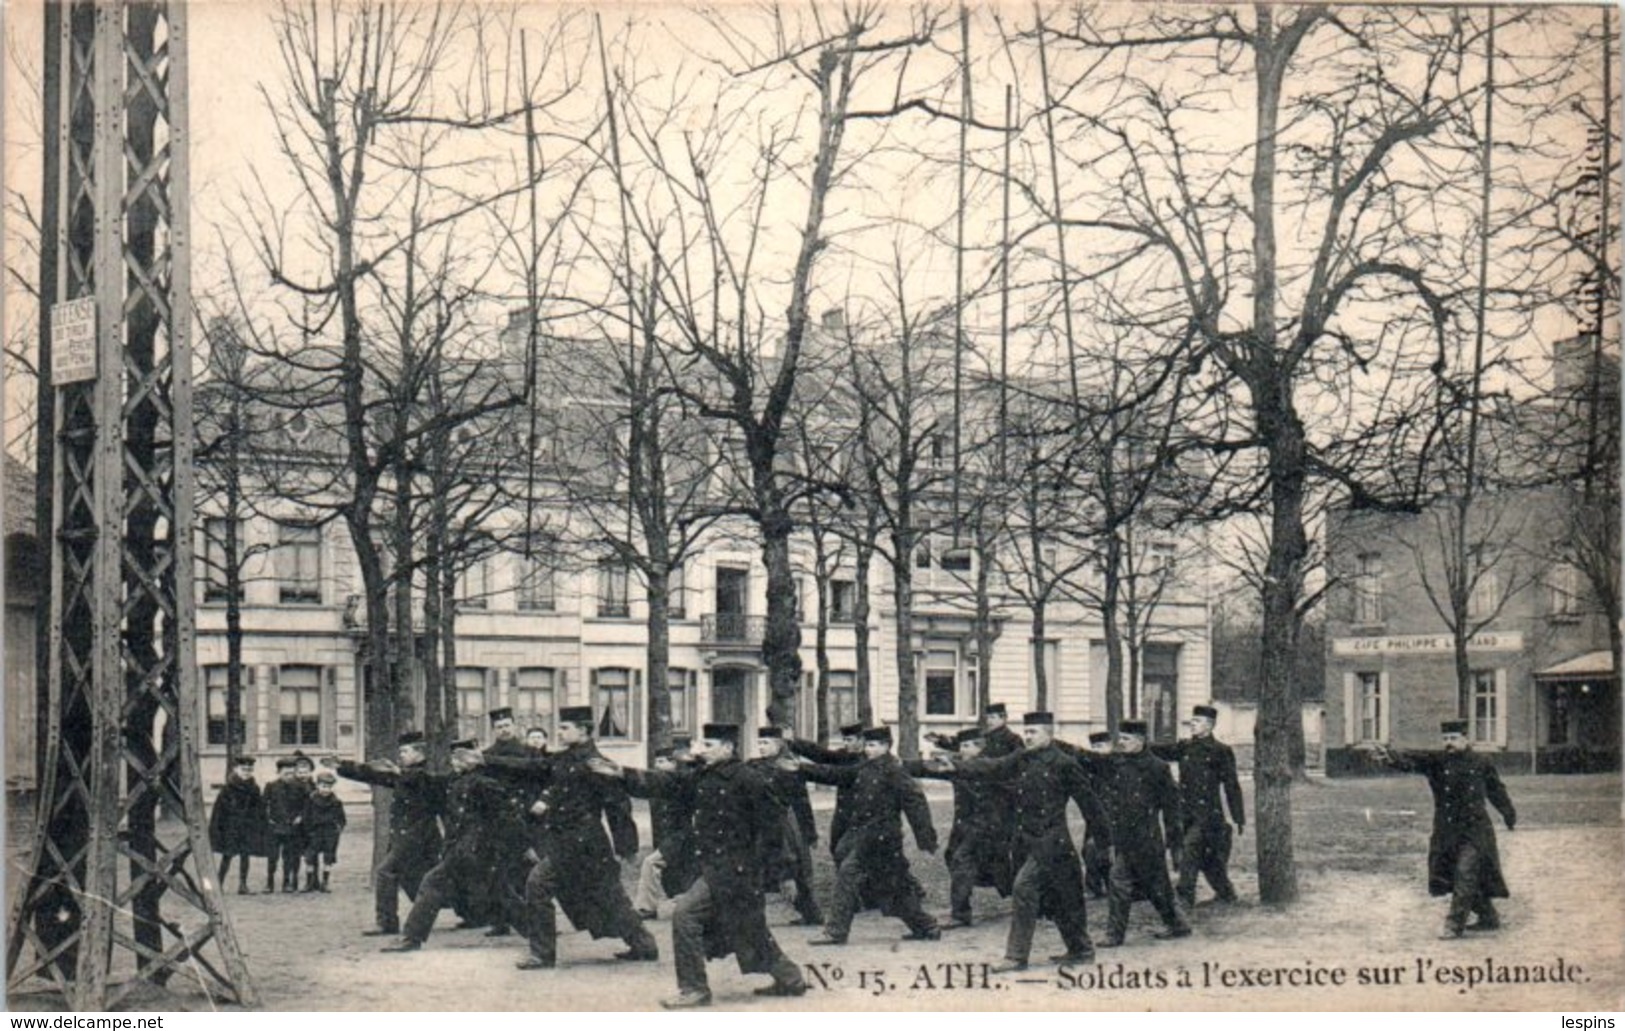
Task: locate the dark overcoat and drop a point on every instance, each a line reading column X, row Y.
column 842, row 817
column 237, row 824
column 735, row 819
column 671, row 824
column 1141, row 801
column 882, row 794
column 284, row 807
column 983, row 825
column 416, row 798
column 1207, row 781
column 1461, row 783
column 577, row 804
column 787, row 792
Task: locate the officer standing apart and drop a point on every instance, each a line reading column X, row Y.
column 735, row 818
column 1207, row 770
column 1463, row 861
column 415, row 800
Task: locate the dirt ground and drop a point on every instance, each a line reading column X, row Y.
column 1363, row 935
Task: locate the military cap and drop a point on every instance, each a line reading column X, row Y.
column 682, row 741
column 721, row 732
column 995, row 709
column 965, row 737
column 580, row 715
column 851, row 730
column 1206, row 710
column 1038, row 719
column 770, row 732
column 411, row 737
column 1453, row 727
column 467, row 744
column 503, row 713
column 326, row 777
column 1138, row 727
column 1100, row 737
column 877, row 734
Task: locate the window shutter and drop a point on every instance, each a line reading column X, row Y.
column 1501, row 707
column 1351, row 712
column 592, row 691
column 635, row 703
column 561, row 689
column 1385, row 686
column 330, row 680
column 493, row 689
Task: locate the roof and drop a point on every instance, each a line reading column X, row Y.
column 1591, row 664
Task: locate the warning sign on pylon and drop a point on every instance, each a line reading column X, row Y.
column 73, row 341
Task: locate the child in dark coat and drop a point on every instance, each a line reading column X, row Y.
column 284, row 812
column 323, row 823
column 237, row 824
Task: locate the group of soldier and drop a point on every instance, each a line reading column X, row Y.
column 522, row 826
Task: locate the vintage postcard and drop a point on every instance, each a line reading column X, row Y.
column 824, row 506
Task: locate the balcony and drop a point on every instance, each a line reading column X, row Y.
column 732, row 630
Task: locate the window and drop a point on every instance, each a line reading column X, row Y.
column 471, row 704
column 941, row 680
column 798, row 597
column 536, row 593
column 613, row 702
column 843, row 601
column 535, row 697
column 1368, row 588
column 216, row 559
column 680, row 685
column 1483, row 707
column 677, row 592
column 474, row 585
column 298, row 561
column 957, row 560
column 939, row 451
column 843, row 699
column 299, row 705
column 612, row 590
column 1162, row 557
column 1485, row 597
column 922, row 547
column 1563, row 591
column 214, row 690
column 298, row 427
column 1371, row 703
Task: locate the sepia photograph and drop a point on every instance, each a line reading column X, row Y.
column 854, row 505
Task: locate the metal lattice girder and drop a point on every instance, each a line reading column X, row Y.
column 121, row 893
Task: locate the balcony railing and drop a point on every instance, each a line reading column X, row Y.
column 732, row 628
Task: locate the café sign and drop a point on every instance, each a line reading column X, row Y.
column 1429, row 644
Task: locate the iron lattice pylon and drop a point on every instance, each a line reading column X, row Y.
column 121, row 893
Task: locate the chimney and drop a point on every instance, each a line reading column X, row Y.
column 834, row 320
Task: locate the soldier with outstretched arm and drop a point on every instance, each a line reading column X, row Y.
column 978, row 852
column 1208, row 784
column 789, row 856
column 1463, row 860
column 415, row 800
column 722, row 913
column 848, row 752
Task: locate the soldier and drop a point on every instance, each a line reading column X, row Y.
column 504, row 734
column 1138, row 790
column 505, row 838
column 735, row 818
column 998, row 740
column 284, row 808
column 789, row 857
column 871, row 864
column 978, row 852
column 670, row 869
column 237, row 823
column 1097, row 852
column 1207, row 768
column 576, row 862
column 474, row 802
column 415, row 800
column 1463, row 860
column 323, row 823
column 849, row 752
column 1048, row 880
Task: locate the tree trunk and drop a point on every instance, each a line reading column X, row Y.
column 1110, row 617
column 908, row 699
column 781, row 642
column 658, row 659
column 1040, row 678
column 820, row 728
column 864, row 676
column 986, row 633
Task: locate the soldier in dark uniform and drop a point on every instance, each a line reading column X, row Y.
column 848, row 753
column 237, row 823
column 1097, row 851
column 284, row 808
column 1207, row 769
column 1142, row 801
column 415, row 800
column 978, row 852
column 576, row 863
column 789, row 857
column 505, row 838
column 998, row 740
column 473, row 802
column 1048, row 879
column 1463, row 860
column 871, row 865
column 722, row 913
column 670, row 869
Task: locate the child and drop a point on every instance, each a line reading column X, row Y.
column 284, row 811
column 237, row 824
column 323, row 823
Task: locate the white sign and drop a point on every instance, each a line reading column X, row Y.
column 73, row 341
column 1425, row 643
